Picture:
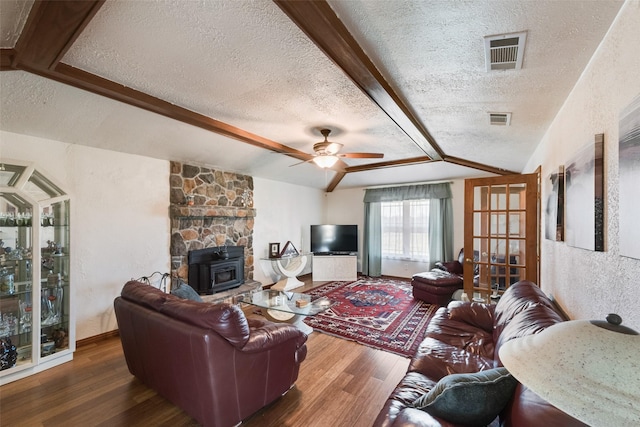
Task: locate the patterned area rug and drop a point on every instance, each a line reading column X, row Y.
column 380, row 313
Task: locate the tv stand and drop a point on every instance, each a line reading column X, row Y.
column 328, row 268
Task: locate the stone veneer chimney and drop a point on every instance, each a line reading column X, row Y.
column 209, row 208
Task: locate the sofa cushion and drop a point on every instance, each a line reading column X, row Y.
column 452, row 347
column 472, row 313
column 530, row 321
column 186, row 292
column 225, row 319
column 143, row 294
column 517, row 298
column 471, row 399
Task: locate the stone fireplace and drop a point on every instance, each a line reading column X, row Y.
column 209, row 209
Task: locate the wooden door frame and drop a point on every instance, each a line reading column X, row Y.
column 532, row 230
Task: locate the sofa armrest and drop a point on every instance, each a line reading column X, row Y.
column 267, row 335
column 473, row 313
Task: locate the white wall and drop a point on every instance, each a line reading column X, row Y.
column 346, row 207
column 284, row 213
column 119, row 220
column 591, row 284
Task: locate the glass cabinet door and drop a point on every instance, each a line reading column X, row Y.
column 16, row 281
column 54, row 289
column 53, row 239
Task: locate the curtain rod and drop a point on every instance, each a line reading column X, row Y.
column 407, row 184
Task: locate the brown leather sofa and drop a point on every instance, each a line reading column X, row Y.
column 465, row 337
column 208, row 359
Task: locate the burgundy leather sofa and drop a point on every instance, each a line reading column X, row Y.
column 208, row 359
column 465, row 337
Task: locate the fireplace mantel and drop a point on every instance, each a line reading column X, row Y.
column 197, row 212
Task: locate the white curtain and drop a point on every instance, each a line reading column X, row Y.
column 440, row 222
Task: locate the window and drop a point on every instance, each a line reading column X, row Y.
column 405, row 229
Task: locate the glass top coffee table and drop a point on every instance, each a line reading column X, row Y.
column 289, row 307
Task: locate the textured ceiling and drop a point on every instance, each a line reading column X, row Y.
column 245, row 63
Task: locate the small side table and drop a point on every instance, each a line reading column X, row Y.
column 289, row 267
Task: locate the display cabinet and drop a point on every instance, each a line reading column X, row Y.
column 36, row 323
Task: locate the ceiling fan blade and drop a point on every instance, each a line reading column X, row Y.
column 361, row 155
column 340, row 166
column 304, row 161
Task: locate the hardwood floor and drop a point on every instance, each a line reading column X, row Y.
column 341, row 383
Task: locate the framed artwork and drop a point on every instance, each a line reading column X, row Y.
column 289, row 250
column 554, row 211
column 584, row 183
column 629, row 179
column 274, row 250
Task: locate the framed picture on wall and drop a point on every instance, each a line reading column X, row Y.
column 584, row 184
column 274, row 250
column 629, row 177
column 554, row 209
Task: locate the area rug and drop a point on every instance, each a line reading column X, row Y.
column 377, row 312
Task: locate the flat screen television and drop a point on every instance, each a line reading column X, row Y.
column 331, row 239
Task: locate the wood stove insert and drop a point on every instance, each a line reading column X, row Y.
column 216, row 269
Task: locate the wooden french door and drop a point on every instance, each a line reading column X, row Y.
column 500, row 233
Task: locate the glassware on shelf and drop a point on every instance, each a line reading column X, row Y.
column 47, row 220
column 7, row 284
column 9, row 219
column 8, row 324
column 51, row 305
column 26, row 311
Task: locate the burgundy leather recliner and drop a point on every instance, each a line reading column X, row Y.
column 208, row 359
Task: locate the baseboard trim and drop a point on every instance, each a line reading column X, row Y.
column 97, row 338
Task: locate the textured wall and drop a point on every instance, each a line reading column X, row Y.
column 285, row 212
column 119, row 222
column 591, row 284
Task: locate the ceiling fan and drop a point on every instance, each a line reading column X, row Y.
column 326, row 153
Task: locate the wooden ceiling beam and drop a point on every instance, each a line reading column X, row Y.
column 95, row 84
column 335, row 181
column 478, row 166
column 390, row 164
column 51, row 29
column 343, row 170
column 6, row 59
column 320, row 23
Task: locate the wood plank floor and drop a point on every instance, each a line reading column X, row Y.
column 341, row 383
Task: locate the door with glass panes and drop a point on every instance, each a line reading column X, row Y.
column 501, row 234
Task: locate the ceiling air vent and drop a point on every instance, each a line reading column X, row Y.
column 500, row 119
column 504, row 51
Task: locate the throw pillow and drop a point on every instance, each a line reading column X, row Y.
column 469, row 399
column 186, row 292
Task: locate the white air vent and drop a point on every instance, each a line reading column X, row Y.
column 504, row 51
column 500, row 119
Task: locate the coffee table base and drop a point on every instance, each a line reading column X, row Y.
column 296, row 320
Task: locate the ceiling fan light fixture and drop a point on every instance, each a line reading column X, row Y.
column 325, row 161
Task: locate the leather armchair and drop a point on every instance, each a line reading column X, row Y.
column 207, row 359
column 454, row 267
